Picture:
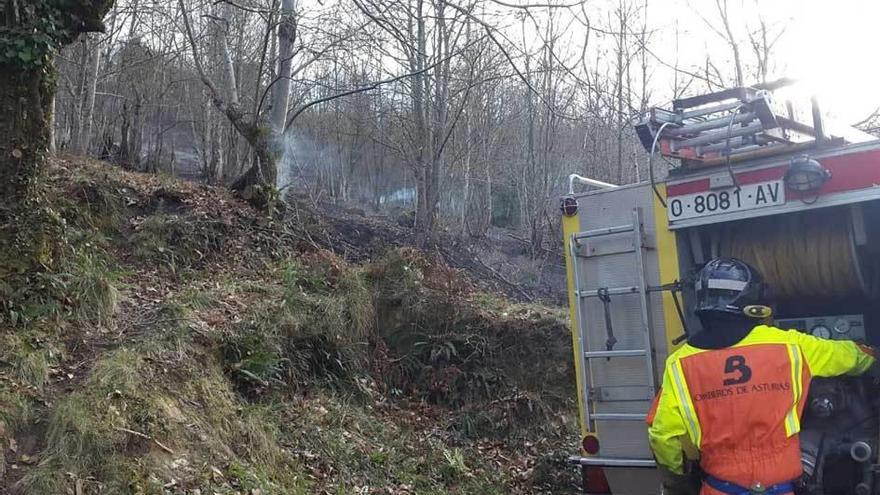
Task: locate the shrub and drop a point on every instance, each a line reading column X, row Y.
column 313, row 325
column 82, row 286
column 177, row 242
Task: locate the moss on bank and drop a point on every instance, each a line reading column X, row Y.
column 183, row 342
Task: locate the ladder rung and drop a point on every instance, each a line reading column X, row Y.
column 616, row 291
column 618, row 416
column 604, row 231
column 612, row 462
column 611, row 354
column 711, row 137
column 710, row 124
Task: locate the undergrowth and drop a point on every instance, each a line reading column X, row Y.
column 175, row 242
column 504, row 368
column 155, row 412
column 312, row 323
column 176, row 340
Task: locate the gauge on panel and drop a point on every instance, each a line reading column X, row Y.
column 821, row 331
column 841, row 326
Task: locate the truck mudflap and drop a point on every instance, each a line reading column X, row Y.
column 618, row 476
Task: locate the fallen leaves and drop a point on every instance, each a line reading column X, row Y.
column 392, row 443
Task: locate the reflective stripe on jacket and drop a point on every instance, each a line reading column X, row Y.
column 741, row 405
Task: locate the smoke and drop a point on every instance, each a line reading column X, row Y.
column 302, row 161
column 289, row 153
column 318, row 165
column 403, row 196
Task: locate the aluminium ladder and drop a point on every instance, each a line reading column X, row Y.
column 641, row 290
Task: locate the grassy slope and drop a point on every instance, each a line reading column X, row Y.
column 179, row 341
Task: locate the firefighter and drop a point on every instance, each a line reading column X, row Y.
column 736, row 390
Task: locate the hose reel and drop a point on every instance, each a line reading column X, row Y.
column 820, row 253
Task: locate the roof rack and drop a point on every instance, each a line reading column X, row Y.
column 735, row 124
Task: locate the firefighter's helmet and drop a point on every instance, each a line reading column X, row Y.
column 729, row 285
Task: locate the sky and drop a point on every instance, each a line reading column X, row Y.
column 828, row 45
column 833, row 47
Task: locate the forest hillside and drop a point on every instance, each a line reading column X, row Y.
column 180, row 341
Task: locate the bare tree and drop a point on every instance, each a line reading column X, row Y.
column 281, row 86
column 731, row 40
column 448, row 108
column 256, row 133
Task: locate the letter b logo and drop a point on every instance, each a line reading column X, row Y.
column 736, row 365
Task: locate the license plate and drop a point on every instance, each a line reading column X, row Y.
column 748, row 197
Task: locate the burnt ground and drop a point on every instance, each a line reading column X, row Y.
column 500, row 263
column 187, row 341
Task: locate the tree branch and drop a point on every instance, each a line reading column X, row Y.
column 369, row 87
column 374, row 85
column 215, row 94
column 244, row 8
column 540, row 5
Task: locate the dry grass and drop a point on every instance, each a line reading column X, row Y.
column 266, row 367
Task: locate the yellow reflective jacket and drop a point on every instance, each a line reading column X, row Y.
column 789, row 358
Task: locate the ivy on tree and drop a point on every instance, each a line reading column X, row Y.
column 31, row 31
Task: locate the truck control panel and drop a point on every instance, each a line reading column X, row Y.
column 840, row 327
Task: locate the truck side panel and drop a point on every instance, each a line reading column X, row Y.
column 620, row 384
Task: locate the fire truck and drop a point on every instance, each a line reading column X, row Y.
column 748, row 172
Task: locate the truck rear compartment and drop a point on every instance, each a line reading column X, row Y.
column 825, row 265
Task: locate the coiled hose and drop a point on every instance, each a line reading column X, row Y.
column 811, row 255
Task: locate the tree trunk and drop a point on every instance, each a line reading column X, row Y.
column 25, row 96
column 731, row 40
column 264, row 172
column 27, row 89
column 258, row 182
column 133, row 149
column 53, row 145
column 466, row 194
column 281, row 87
column 93, row 57
column 125, row 137
column 227, row 67
column 217, row 164
column 205, row 141
column 620, row 122
column 78, row 122
column 423, row 220
column 421, row 111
